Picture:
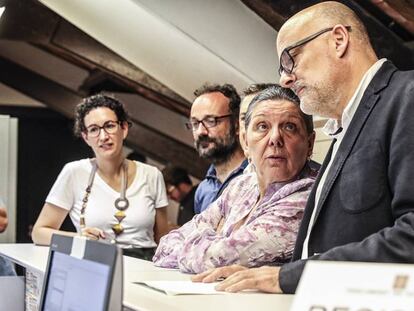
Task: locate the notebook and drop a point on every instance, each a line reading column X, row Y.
column 182, row 287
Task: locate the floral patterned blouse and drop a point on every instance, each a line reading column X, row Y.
column 267, row 235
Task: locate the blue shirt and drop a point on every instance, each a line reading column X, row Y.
column 211, row 187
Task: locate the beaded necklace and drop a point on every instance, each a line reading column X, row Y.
column 121, row 204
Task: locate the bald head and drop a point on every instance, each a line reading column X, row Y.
column 327, row 14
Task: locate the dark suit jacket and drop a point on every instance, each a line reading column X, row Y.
column 366, row 208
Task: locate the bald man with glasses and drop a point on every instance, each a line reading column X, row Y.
column 362, row 205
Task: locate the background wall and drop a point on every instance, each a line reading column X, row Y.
column 44, row 143
column 8, row 175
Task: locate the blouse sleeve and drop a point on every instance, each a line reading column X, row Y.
column 160, row 192
column 171, row 245
column 270, row 236
column 62, row 192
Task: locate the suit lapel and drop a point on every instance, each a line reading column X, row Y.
column 310, row 204
column 368, row 101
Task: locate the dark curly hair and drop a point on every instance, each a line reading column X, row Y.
column 227, row 90
column 97, row 101
column 174, row 175
column 278, row 93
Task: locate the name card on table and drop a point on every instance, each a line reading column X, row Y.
column 355, row 286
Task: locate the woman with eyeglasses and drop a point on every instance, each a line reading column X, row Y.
column 108, row 197
column 256, row 219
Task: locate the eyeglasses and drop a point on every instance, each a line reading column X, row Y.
column 207, row 122
column 287, row 63
column 110, row 127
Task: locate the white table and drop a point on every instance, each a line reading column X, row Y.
column 137, row 297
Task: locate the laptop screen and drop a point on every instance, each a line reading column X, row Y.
column 82, row 284
column 76, row 284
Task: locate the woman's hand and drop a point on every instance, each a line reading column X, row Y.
column 93, row 233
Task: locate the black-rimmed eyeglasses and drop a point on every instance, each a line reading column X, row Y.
column 207, row 122
column 287, row 63
column 110, row 127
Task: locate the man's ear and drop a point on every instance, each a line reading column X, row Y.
column 341, row 39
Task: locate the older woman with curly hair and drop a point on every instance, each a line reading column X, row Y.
column 256, row 219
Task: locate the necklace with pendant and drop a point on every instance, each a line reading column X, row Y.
column 121, row 203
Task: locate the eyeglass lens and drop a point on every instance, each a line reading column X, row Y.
column 110, row 127
column 207, row 122
column 286, row 63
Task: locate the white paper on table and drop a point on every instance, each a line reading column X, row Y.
column 182, row 287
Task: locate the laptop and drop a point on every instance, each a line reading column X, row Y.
column 82, row 275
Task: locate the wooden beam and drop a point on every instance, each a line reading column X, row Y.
column 30, row 21
column 385, row 41
column 147, row 140
column 266, row 11
column 68, row 39
column 401, row 12
column 27, row 20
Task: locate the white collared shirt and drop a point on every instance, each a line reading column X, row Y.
column 332, row 126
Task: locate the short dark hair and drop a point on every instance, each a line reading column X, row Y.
column 256, row 88
column 278, row 93
column 97, row 101
column 174, row 175
column 227, row 90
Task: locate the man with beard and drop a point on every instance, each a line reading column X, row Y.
column 361, row 207
column 214, row 123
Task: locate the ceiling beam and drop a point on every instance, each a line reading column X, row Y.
column 30, row 21
column 385, row 41
column 401, row 11
column 141, row 137
column 265, row 10
column 68, row 41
